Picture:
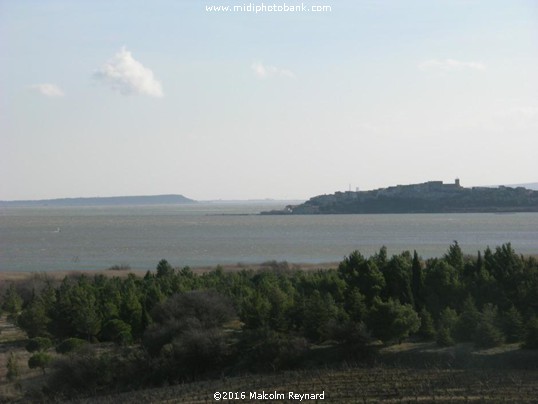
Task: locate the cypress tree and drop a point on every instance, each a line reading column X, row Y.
column 417, row 282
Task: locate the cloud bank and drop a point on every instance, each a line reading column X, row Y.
column 48, row 90
column 450, row 65
column 127, row 75
column 262, row 72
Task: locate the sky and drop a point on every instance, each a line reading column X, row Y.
column 115, row 97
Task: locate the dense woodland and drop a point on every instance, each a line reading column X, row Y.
column 104, row 333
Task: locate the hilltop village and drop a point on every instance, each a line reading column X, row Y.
column 427, row 197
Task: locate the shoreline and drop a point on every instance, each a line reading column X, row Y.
column 271, row 265
column 199, row 270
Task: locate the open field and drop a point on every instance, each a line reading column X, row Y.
column 12, row 340
column 357, row 385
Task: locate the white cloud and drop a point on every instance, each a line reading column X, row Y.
column 450, row 65
column 127, row 75
column 261, row 71
column 48, row 90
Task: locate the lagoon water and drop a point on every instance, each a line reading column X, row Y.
column 47, row 238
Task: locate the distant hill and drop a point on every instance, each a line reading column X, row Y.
column 428, row 197
column 104, row 201
column 532, row 185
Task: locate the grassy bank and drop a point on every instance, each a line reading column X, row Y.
column 15, row 276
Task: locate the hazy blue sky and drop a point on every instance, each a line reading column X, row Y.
column 102, row 98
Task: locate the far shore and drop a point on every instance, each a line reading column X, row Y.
column 20, row 275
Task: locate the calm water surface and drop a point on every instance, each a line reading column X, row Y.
column 45, row 239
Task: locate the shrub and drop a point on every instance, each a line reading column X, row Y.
column 445, row 327
column 120, row 267
column 274, row 265
column 444, row 337
column 117, row 331
column 39, row 360
column 71, row 345
column 12, row 302
column 531, row 337
column 181, row 312
column 198, row 350
column 512, row 325
column 12, row 366
column 81, row 372
column 468, row 321
column 487, row 335
column 350, row 332
column 427, row 329
column 38, row 344
column 186, row 338
column 87, row 372
column 265, row 349
column 392, row 321
column 34, row 319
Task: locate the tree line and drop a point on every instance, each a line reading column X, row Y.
column 173, row 325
